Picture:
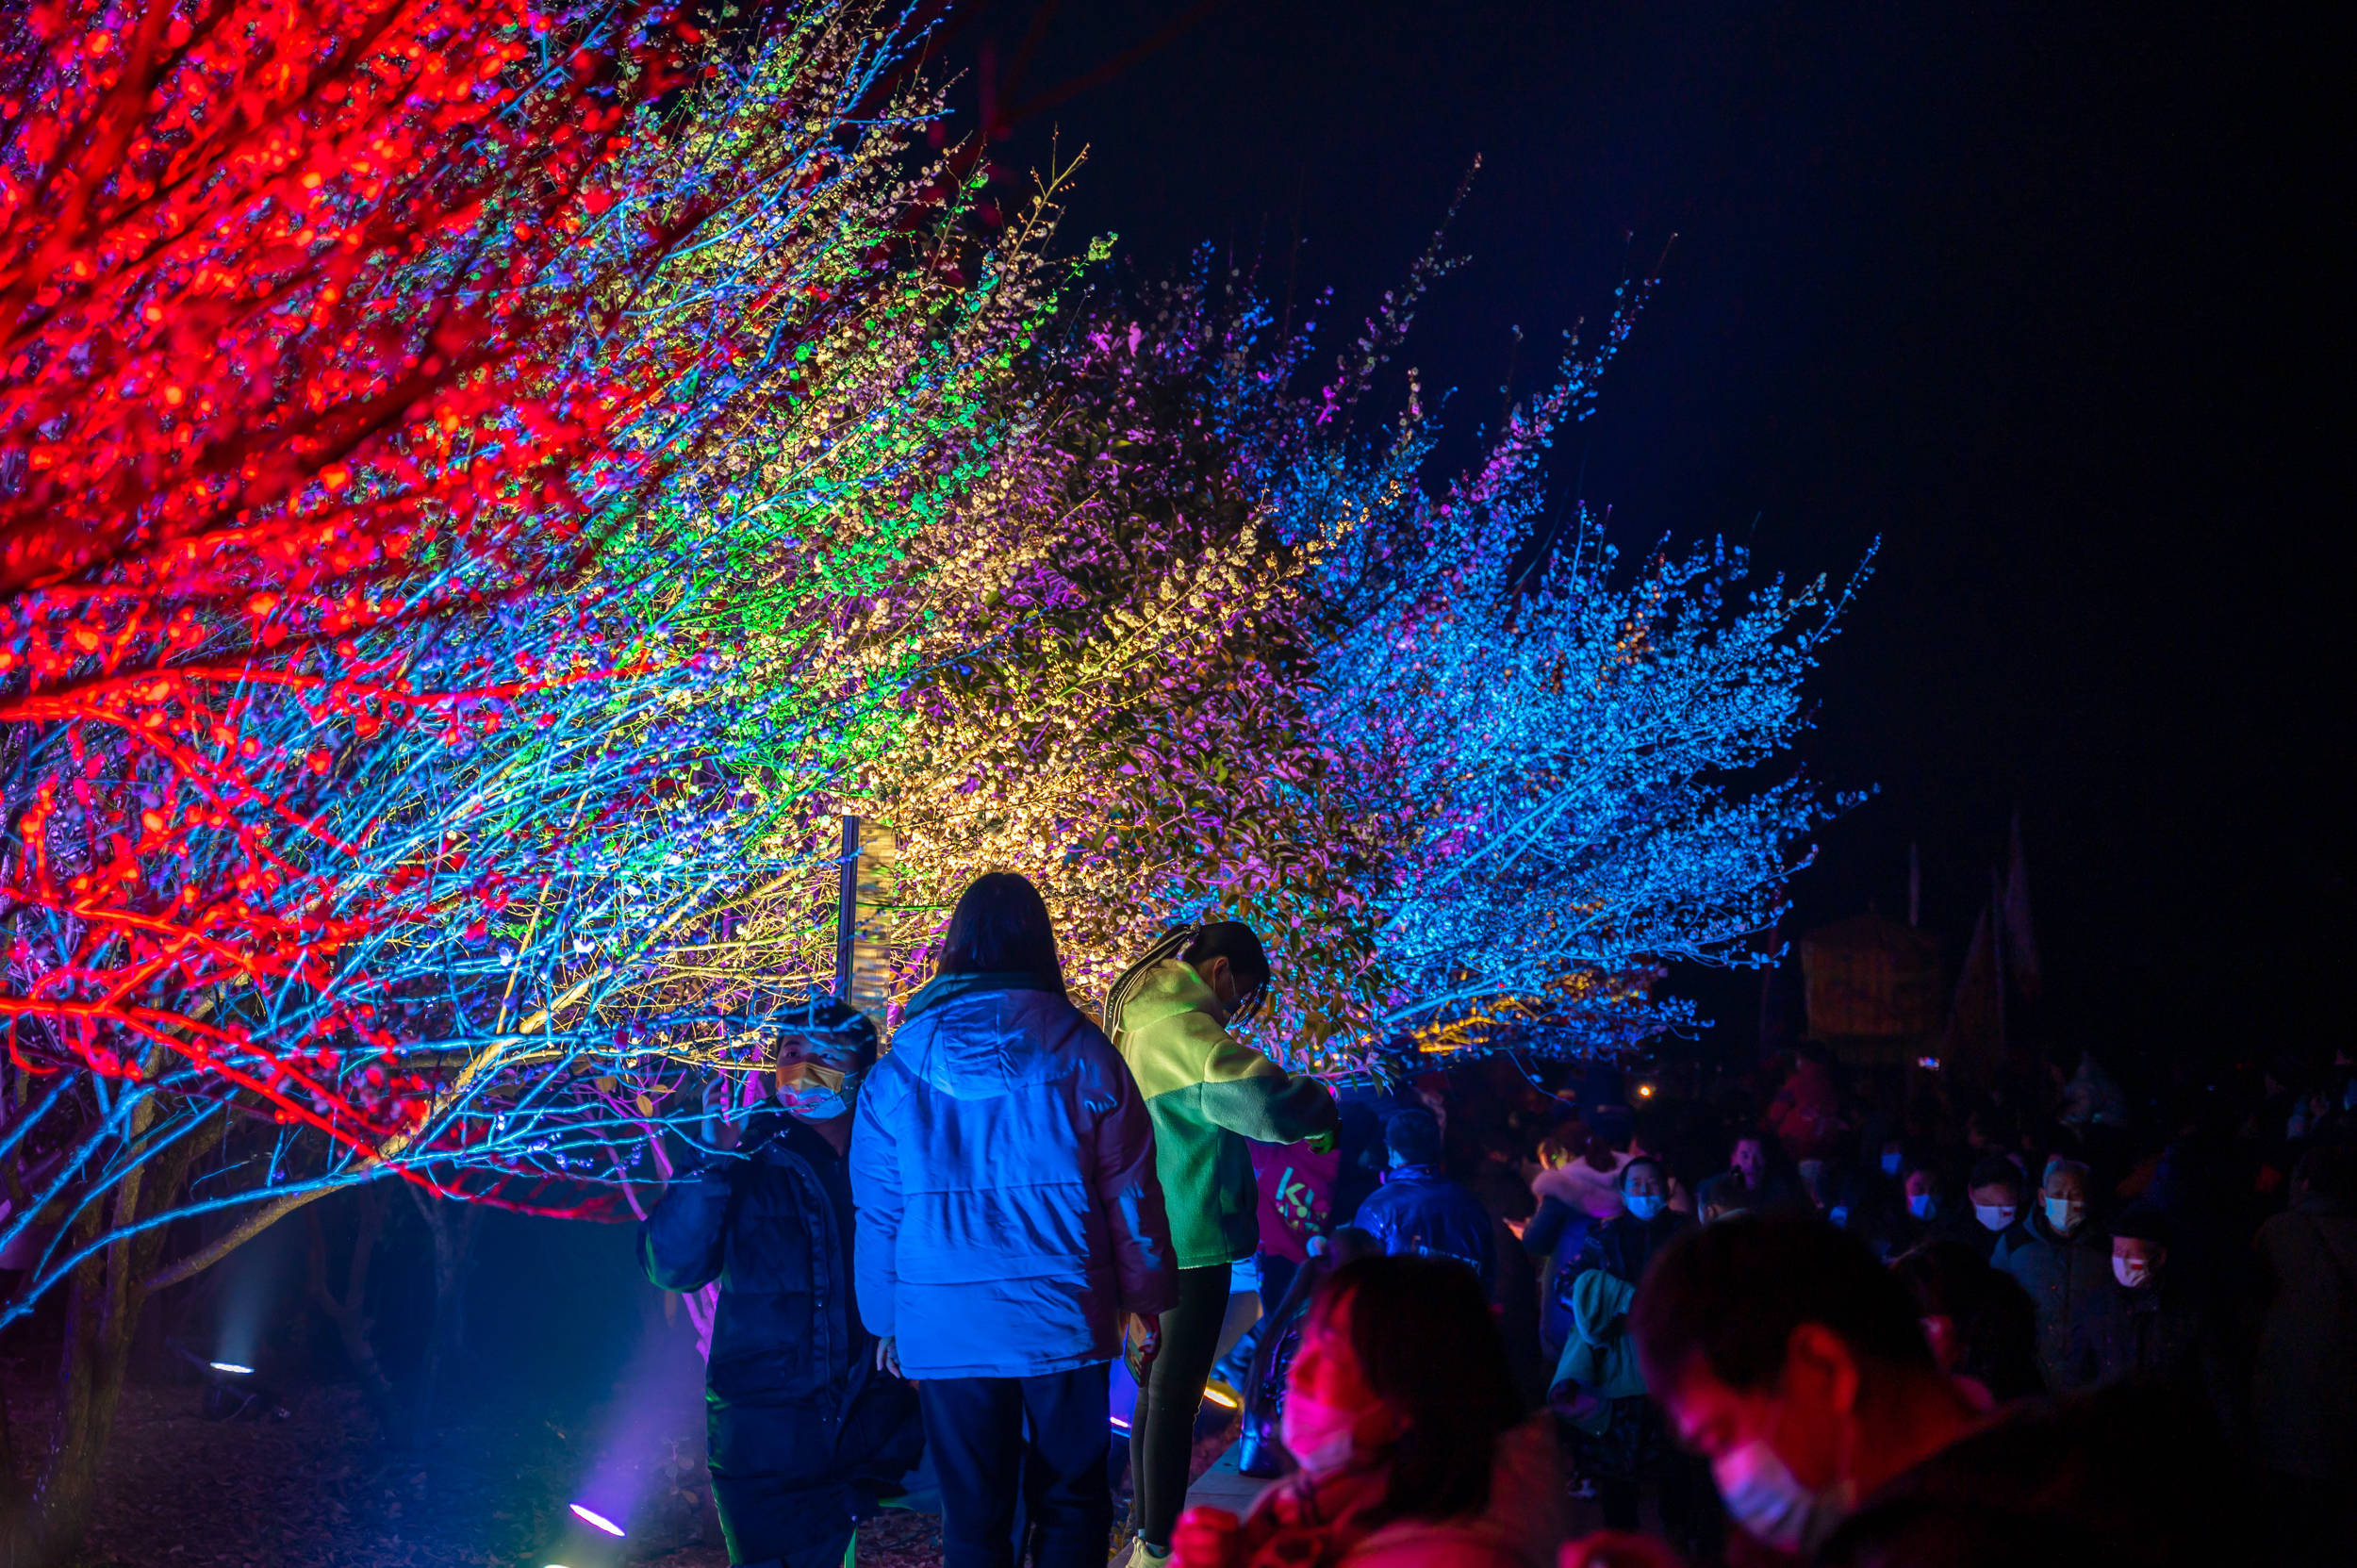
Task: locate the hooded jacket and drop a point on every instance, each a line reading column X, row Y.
column 1600, row 1358
column 1003, row 1165
column 1211, row 1098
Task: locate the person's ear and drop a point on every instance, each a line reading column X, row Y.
column 1818, row 1365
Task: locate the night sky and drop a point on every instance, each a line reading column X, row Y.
column 2031, row 292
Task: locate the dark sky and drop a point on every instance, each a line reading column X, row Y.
column 2031, row 292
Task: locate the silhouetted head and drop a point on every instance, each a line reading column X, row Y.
column 1000, row 926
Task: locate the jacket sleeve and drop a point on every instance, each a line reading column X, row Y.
column 1544, row 1233
column 683, row 1243
column 1376, row 1218
column 1249, row 1095
column 877, row 1198
column 1131, row 1194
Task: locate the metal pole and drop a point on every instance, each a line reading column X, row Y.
column 847, row 908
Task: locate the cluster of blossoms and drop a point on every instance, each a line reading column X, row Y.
column 483, row 488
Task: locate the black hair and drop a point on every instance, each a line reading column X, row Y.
column 821, row 1014
column 1000, row 926
column 2142, row 1221
column 1428, row 1344
column 1732, row 1293
column 1998, row 1171
column 1661, row 1168
column 1235, row 942
column 1415, row 1136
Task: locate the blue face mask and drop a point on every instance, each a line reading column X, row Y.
column 1922, row 1205
column 1891, row 1163
column 1645, row 1205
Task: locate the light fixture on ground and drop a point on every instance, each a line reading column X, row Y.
column 592, row 1516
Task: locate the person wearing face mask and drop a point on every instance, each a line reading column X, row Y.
column 806, row 1432
column 1211, row 1096
column 1410, row 1440
column 2063, row 1262
column 1995, row 1189
column 1794, row 1362
column 2145, row 1326
column 1621, row 1445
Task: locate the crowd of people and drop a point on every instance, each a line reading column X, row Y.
column 1818, row 1311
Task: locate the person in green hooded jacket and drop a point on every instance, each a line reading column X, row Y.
column 1210, row 1097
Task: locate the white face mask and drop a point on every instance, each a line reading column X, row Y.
column 1317, row 1434
column 2132, row 1272
column 1994, row 1216
column 1922, row 1205
column 2064, row 1213
column 1890, row 1163
column 1763, row 1495
column 1644, row 1205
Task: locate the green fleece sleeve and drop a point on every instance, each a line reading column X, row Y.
column 1250, row 1096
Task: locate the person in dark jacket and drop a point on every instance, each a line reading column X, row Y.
column 1420, row 1210
column 1995, row 1189
column 1790, row 1359
column 1554, row 1233
column 2303, row 1390
column 1633, row 1450
column 1259, row 1447
column 2063, row 1262
column 1980, row 1324
column 1010, row 1223
column 806, row 1433
column 2146, row 1326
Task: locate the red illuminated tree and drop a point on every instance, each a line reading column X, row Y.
column 286, row 358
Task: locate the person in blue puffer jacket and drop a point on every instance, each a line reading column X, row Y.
column 1009, row 1225
column 807, row 1433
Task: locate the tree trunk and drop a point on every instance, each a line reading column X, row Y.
column 347, row 1312
column 452, row 1226
column 103, row 1306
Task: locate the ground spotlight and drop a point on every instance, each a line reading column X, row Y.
column 592, row 1516
column 1221, row 1395
column 232, row 1368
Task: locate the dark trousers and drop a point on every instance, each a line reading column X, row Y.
column 1162, row 1433
column 1041, row 1440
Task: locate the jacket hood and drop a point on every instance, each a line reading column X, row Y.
column 1167, row 989
column 986, row 1034
column 942, row 988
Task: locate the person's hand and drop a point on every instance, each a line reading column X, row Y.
column 721, row 1130
column 1206, row 1538
column 1518, row 1226
column 888, row 1356
column 1618, row 1549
